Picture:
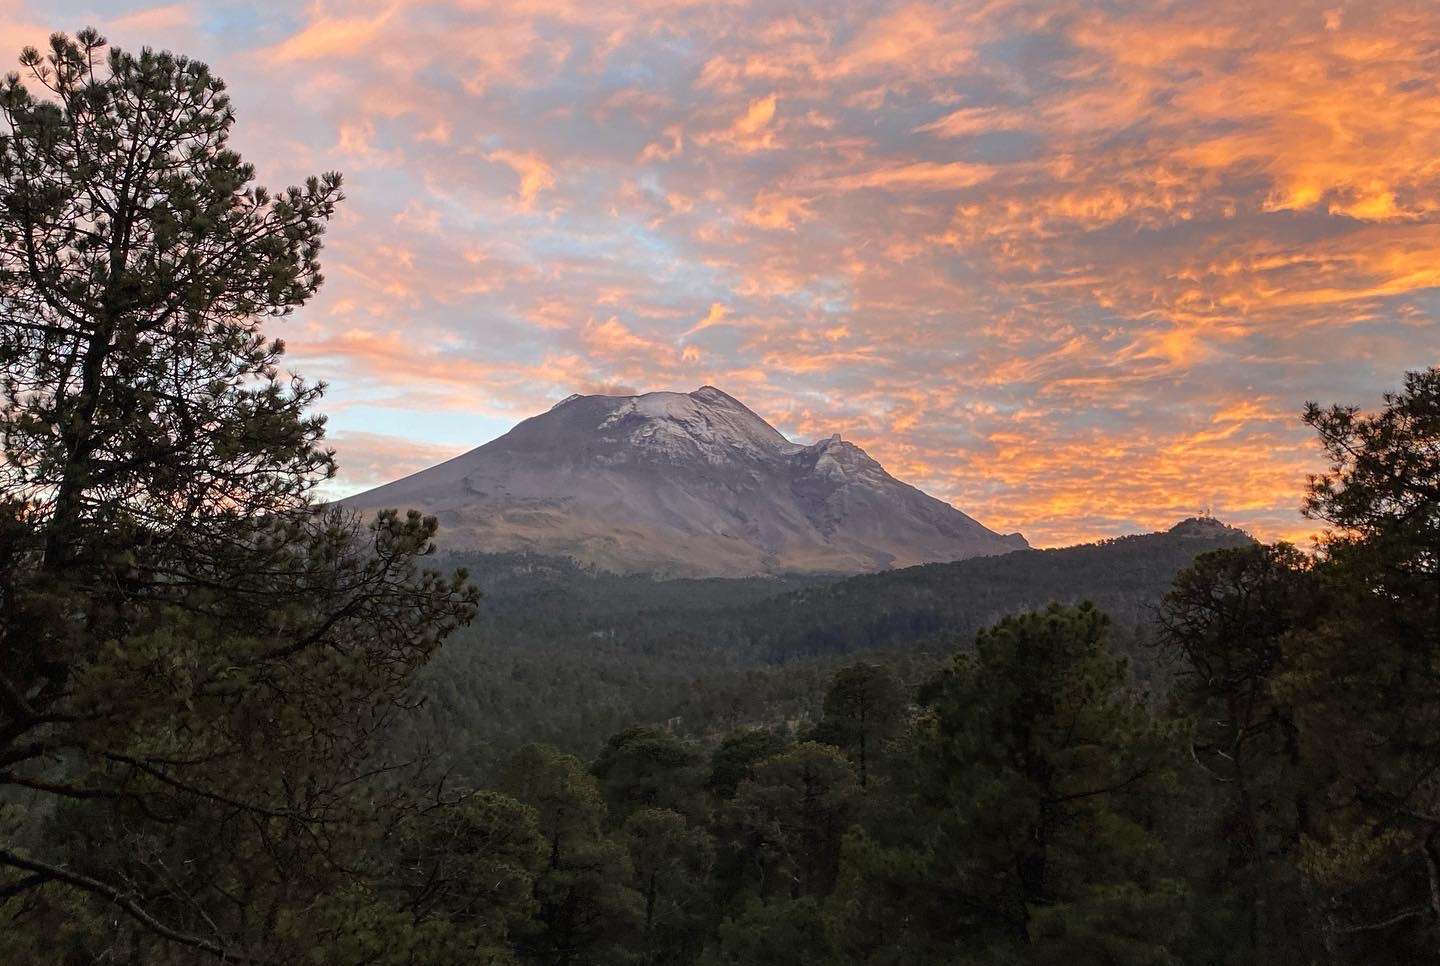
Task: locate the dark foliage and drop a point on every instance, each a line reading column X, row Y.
column 194, row 661
column 566, row 654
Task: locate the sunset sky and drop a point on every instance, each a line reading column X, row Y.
column 1075, row 267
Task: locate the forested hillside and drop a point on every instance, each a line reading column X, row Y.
column 568, row 654
column 935, row 604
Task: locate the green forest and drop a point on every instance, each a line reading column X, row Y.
column 568, row 655
column 239, row 725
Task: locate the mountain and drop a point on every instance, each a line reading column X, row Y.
column 683, row 484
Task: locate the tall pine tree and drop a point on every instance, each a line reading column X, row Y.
column 194, row 659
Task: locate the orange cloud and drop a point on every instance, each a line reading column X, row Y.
column 334, row 36
column 715, row 316
column 752, row 130
column 671, row 146
column 776, row 211
column 973, row 120
column 166, row 17
column 1073, row 266
column 917, row 38
column 371, row 459
column 535, row 174
column 918, row 175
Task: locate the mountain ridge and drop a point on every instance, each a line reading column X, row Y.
column 684, row 484
column 598, row 651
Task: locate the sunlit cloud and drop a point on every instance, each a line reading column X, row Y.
column 534, row 174
column 332, row 35
column 372, row 459
column 162, row 18
column 1074, row 266
column 752, row 130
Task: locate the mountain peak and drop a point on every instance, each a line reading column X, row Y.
column 680, row 483
column 1202, row 526
column 711, row 394
column 706, row 424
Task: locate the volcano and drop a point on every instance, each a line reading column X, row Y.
column 683, row 485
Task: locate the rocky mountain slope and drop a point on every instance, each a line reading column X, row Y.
column 683, row 484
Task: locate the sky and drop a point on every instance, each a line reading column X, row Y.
column 1075, row 267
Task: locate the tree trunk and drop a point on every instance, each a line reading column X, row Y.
column 79, row 444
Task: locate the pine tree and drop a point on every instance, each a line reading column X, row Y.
column 586, row 907
column 1363, row 678
column 735, row 758
column 671, row 861
column 778, row 933
column 1230, row 622
column 195, row 661
column 788, row 821
column 864, row 707
column 1029, row 831
column 454, row 881
column 646, row 767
